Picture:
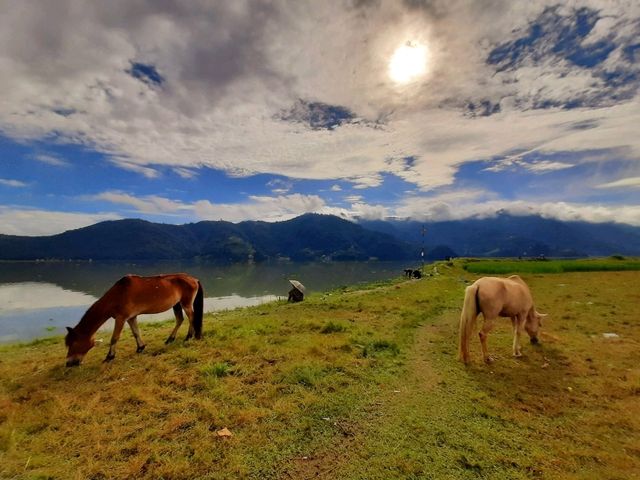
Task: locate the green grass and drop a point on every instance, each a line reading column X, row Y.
column 359, row 383
column 217, row 370
column 333, row 327
column 612, row 264
column 380, row 347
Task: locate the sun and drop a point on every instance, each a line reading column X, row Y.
column 408, row 63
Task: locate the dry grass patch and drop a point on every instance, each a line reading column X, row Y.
column 352, row 384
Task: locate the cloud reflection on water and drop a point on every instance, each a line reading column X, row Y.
column 35, row 309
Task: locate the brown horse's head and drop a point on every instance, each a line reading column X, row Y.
column 78, row 346
column 533, row 324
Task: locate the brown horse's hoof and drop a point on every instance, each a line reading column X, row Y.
column 489, row 360
column 109, row 358
column 140, row 349
column 169, row 340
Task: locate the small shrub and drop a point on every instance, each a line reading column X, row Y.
column 217, row 370
column 332, row 327
column 380, row 346
column 305, row 375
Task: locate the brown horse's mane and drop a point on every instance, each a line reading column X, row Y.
column 95, row 316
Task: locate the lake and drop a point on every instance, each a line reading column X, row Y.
column 40, row 299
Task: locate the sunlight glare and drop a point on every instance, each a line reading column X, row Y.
column 408, row 63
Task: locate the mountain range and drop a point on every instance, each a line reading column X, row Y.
column 327, row 237
column 308, row 237
column 513, row 236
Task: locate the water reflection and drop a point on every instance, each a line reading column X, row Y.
column 30, row 295
column 39, row 299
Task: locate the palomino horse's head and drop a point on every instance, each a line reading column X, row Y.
column 533, row 324
column 78, row 346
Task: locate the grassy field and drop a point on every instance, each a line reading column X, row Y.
column 612, row 264
column 352, row 384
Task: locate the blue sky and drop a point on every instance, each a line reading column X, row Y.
column 247, row 110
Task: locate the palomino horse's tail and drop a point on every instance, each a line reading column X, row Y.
column 468, row 320
column 198, row 311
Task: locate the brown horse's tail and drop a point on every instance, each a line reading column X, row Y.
column 468, row 320
column 198, row 307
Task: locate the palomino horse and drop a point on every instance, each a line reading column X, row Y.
column 129, row 297
column 498, row 297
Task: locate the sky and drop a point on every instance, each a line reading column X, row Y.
column 178, row 112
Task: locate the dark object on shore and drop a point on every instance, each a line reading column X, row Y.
column 409, row 272
column 296, row 294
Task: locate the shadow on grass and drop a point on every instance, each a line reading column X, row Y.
column 538, row 382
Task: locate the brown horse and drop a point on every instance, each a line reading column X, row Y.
column 498, row 297
column 129, row 297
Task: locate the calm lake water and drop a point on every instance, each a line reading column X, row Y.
column 40, row 299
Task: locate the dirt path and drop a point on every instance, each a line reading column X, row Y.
column 391, row 420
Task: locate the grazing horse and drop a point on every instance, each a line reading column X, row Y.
column 129, row 297
column 498, row 297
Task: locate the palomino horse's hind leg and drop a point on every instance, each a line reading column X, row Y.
column 177, row 310
column 133, row 323
column 487, row 326
column 189, row 311
column 117, row 330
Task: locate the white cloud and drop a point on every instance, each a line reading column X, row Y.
column 336, row 188
column 280, row 207
column 279, row 186
column 148, row 172
column 467, row 204
column 185, row 172
column 371, row 212
column 622, row 183
column 149, row 204
column 463, row 204
column 12, row 183
column 366, row 181
column 517, row 161
column 22, row 221
column 260, row 208
column 231, row 68
column 547, row 166
column 51, row 160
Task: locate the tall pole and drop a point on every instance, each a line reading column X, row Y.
column 422, row 251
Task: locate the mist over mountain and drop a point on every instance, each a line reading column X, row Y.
column 512, row 236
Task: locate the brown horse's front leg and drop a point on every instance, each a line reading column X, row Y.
column 133, row 323
column 117, row 330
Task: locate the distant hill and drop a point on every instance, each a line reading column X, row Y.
column 512, row 236
column 308, row 237
column 315, row 237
